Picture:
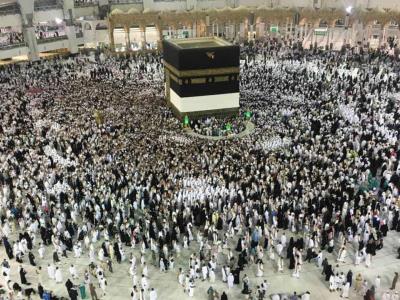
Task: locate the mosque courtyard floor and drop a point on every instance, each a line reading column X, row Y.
column 384, row 264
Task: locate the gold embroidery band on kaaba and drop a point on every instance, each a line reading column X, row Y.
column 197, row 80
column 174, row 78
column 221, row 78
column 200, row 80
column 201, row 72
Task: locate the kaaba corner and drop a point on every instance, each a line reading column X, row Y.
column 201, row 76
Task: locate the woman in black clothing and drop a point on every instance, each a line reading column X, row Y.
column 22, row 274
column 117, row 253
column 40, row 290
column 289, row 251
column 31, row 259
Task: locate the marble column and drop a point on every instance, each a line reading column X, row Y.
column 30, row 39
column 251, row 31
column 245, row 30
column 143, row 36
column 328, row 36
column 71, row 34
column 301, row 32
column 111, row 34
column 160, row 37
column 28, row 30
column 127, row 37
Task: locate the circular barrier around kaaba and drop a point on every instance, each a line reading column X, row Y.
column 248, row 130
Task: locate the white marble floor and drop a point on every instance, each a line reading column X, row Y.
column 119, row 282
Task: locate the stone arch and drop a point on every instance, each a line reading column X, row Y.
column 303, row 22
column 101, row 26
column 87, row 26
column 340, row 22
column 322, row 23
column 258, row 19
column 391, row 24
column 375, row 23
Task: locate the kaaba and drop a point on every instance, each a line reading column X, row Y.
column 201, row 76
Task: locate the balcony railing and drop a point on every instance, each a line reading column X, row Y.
column 12, row 46
column 169, row 0
column 8, row 9
column 52, row 39
column 48, row 4
column 126, row 1
column 84, row 3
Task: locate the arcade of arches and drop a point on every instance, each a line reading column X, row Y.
column 140, row 28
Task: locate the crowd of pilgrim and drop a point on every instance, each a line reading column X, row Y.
column 94, row 165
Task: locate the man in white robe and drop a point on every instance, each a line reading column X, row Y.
column 143, row 282
column 51, row 271
column 73, row 272
column 77, row 250
column 191, row 288
column 230, row 280
column 58, row 275
column 153, row 294
column 224, row 275
column 319, row 259
column 204, row 271
column 345, row 290
column 41, row 250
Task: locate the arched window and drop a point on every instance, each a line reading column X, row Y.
column 339, row 23
column 101, row 26
column 323, row 23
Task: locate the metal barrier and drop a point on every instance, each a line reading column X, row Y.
column 12, row 46
column 52, row 39
column 169, row 0
column 48, row 4
column 86, row 4
column 126, row 1
column 9, row 9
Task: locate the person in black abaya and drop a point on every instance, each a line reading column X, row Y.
column 8, row 247
column 40, row 290
column 31, row 259
column 371, row 247
column 349, row 277
column 246, row 289
column 219, row 223
column 292, row 262
column 239, row 245
column 69, row 284
column 289, row 251
column 72, row 292
column 236, row 275
column 266, row 241
column 328, row 272
column 242, row 261
column 22, row 275
column 103, row 245
column 28, row 241
column 56, row 259
column 117, row 253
